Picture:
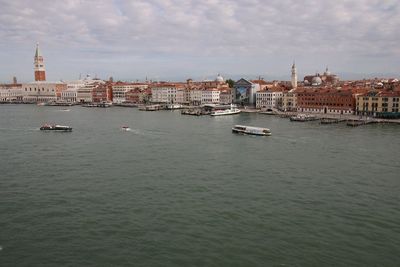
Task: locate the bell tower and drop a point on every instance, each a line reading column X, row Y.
column 294, row 76
column 40, row 71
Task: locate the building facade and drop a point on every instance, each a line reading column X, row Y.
column 42, row 91
column 269, row 99
column 379, row 104
column 244, row 92
column 325, row 100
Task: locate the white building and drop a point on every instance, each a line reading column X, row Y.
column 269, row 99
column 119, row 91
column 167, row 93
column 195, row 96
column 10, row 94
column 70, row 95
column 42, row 91
column 210, row 96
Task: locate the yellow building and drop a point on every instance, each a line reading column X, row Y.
column 379, row 104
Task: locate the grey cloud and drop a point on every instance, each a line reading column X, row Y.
column 213, row 33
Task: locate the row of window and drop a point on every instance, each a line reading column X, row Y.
column 38, row 89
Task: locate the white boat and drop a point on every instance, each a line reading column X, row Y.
column 303, row 117
column 231, row 111
column 242, row 129
column 125, row 128
column 174, row 106
column 55, row 127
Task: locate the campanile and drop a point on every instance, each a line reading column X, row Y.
column 40, row 71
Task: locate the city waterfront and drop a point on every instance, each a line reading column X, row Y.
column 184, row 191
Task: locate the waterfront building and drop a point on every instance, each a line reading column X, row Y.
column 289, row 101
column 379, row 104
column 84, row 94
column 39, row 68
column 244, row 92
column 69, row 95
column 294, row 76
column 138, row 95
column 325, row 100
column 195, row 96
column 210, row 96
column 10, row 94
column 225, row 97
column 120, row 89
column 167, row 93
column 42, row 91
column 102, row 93
column 271, row 99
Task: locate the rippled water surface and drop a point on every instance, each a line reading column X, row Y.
column 184, row 191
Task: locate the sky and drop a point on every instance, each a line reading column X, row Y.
column 179, row 39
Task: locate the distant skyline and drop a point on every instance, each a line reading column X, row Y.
column 177, row 39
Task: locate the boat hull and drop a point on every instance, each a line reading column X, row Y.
column 225, row 113
column 250, row 133
column 56, row 128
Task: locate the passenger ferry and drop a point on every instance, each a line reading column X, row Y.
column 231, row 111
column 241, row 129
column 55, row 127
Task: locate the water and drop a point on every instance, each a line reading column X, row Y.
column 184, row 191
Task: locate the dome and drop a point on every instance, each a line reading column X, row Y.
column 219, row 78
column 316, row 81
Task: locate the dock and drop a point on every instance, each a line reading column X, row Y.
column 331, row 120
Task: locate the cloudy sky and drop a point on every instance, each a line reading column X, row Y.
column 166, row 39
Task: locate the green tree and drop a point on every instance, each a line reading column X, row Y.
column 230, row 82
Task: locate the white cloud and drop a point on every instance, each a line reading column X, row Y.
column 271, row 33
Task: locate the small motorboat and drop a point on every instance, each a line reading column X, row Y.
column 125, row 128
column 56, row 127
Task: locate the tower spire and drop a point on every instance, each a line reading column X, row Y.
column 40, row 71
column 294, row 75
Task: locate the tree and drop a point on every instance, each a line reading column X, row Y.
column 230, row 82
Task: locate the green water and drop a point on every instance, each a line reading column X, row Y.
column 184, row 191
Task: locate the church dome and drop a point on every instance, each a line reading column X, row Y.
column 316, row 81
column 219, row 78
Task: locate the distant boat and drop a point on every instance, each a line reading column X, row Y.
column 42, row 104
column 174, row 106
column 242, row 129
column 231, row 111
column 303, row 117
column 56, row 127
column 125, row 128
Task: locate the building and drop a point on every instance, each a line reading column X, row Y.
column 244, row 92
column 289, row 101
column 271, row 99
column 119, row 90
column 167, row 93
column 384, row 104
column 225, row 97
column 69, row 95
column 210, row 96
column 10, row 94
column 39, row 68
column 102, row 93
column 139, row 96
column 326, row 78
column 325, row 100
column 42, row 91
